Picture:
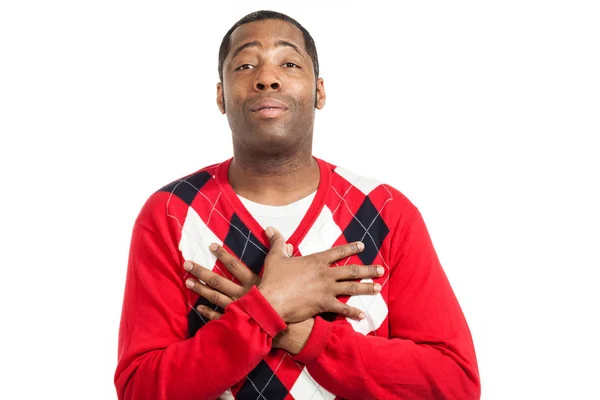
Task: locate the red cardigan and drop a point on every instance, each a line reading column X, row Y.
column 414, row 343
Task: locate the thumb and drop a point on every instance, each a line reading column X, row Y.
column 277, row 241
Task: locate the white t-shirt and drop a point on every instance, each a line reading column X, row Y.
column 283, row 218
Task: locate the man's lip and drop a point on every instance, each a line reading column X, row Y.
column 268, row 103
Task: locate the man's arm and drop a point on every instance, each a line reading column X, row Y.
column 156, row 359
column 430, row 353
column 223, row 292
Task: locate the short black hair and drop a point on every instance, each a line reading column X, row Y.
column 309, row 43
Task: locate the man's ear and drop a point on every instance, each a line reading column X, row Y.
column 220, row 98
column 321, row 95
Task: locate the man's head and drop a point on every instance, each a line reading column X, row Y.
column 269, row 85
column 309, row 42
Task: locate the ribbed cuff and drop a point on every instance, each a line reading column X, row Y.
column 319, row 336
column 255, row 304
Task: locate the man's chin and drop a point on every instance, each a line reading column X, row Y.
column 274, row 142
column 272, row 130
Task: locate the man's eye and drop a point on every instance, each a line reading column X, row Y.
column 244, row 66
column 290, row 65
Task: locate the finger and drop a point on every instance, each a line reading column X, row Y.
column 351, row 288
column 353, row 271
column 347, row 311
column 217, row 298
column 277, row 241
column 214, row 280
column 234, row 265
column 342, row 251
column 208, row 312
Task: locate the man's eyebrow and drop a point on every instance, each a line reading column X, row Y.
column 237, row 51
column 285, row 43
column 256, row 43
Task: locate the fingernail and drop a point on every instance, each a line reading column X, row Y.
column 269, row 232
column 188, row 266
column 380, row 270
column 361, row 315
column 189, row 283
column 377, row 287
column 361, row 246
column 214, row 247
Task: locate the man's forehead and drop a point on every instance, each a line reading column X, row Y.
column 268, row 33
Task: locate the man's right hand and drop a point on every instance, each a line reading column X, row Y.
column 301, row 287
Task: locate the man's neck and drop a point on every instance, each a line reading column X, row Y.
column 274, row 180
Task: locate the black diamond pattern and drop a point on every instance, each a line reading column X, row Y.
column 187, row 189
column 369, row 218
column 195, row 321
column 237, row 241
column 259, row 376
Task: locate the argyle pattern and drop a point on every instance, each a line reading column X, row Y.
column 353, row 209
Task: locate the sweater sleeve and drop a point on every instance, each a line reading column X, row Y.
column 430, row 352
column 157, row 359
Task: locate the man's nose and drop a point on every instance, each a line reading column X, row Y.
column 267, row 79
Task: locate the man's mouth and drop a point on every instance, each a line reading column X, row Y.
column 268, row 108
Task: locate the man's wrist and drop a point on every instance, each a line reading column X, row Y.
column 255, row 305
column 317, row 341
column 273, row 300
column 295, row 337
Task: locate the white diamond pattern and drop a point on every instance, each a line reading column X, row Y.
column 226, row 396
column 195, row 239
column 365, row 185
column 322, row 235
column 374, row 307
column 307, row 388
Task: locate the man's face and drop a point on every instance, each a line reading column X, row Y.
column 269, row 91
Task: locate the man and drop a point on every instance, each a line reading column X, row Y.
column 348, row 300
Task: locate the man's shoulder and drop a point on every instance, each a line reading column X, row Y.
column 187, row 187
column 345, row 181
column 175, row 197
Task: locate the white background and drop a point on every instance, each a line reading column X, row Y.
column 485, row 114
